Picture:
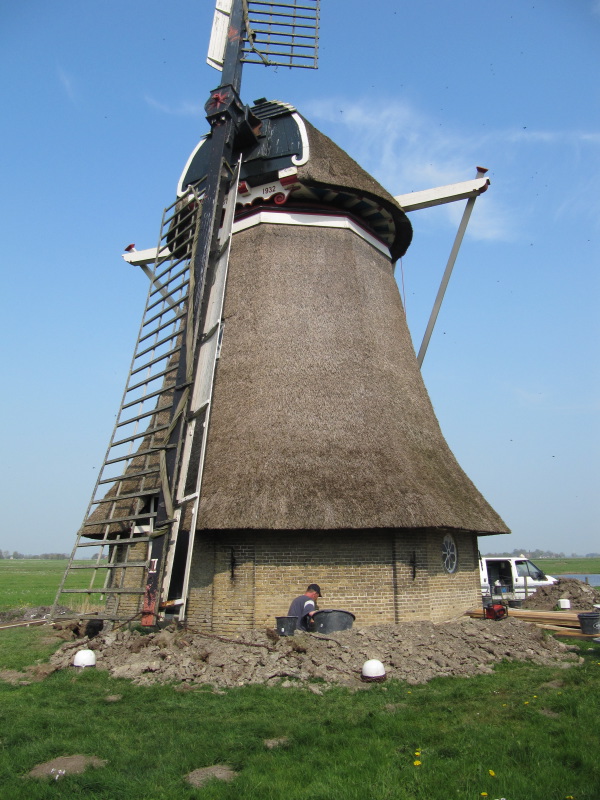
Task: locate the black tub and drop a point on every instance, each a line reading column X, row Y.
column 589, row 623
column 286, row 626
column 330, row 620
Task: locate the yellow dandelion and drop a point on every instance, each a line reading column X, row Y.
column 483, row 794
column 417, row 752
column 526, row 703
column 492, row 773
column 417, row 763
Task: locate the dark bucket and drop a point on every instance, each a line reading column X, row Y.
column 286, row 626
column 331, row 620
column 515, row 603
column 589, row 622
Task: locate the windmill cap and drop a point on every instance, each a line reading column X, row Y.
column 315, row 588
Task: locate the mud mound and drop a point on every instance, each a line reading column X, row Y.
column 414, row 652
column 581, row 595
column 65, row 765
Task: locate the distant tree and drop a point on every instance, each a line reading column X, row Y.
column 52, row 556
column 17, row 555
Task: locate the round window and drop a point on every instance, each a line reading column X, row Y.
column 449, row 553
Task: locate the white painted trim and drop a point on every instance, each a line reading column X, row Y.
column 299, row 160
column 311, row 220
column 442, row 194
column 141, row 258
column 218, row 34
column 180, row 190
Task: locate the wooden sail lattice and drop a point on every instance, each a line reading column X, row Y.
column 119, row 522
column 284, row 33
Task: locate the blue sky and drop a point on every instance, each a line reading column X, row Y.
column 103, row 102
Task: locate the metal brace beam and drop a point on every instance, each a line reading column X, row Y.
column 434, row 197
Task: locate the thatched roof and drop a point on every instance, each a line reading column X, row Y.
column 321, row 419
column 332, row 167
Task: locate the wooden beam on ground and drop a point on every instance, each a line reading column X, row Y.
column 562, row 623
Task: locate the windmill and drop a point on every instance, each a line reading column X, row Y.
column 322, row 438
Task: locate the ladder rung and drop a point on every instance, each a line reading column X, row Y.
column 143, row 415
column 156, row 360
column 159, row 343
column 152, row 378
column 130, row 476
column 145, row 397
column 104, row 591
column 166, row 296
column 169, row 320
column 160, row 276
column 163, row 325
column 139, row 453
column 117, row 497
column 111, row 542
column 98, row 616
column 120, row 565
column 146, row 515
column 141, row 435
column 165, row 278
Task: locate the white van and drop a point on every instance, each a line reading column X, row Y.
column 511, row 578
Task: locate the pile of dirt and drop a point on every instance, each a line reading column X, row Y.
column 414, row 652
column 582, row 596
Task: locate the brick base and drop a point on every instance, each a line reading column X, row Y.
column 244, row 579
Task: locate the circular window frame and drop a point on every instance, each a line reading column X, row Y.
column 449, row 554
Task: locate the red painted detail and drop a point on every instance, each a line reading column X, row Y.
column 218, row 99
column 243, row 188
column 130, row 248
column 149, row 606
column 288, row 180
column 279, row 198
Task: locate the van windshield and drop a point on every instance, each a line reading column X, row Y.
column 527, row 569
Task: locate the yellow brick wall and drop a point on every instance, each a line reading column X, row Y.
column 245, row 580
column 453, row 593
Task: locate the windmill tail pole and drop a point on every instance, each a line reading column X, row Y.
column 448, row 272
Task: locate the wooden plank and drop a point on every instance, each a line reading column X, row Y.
column 572, row 633
column 566, row 618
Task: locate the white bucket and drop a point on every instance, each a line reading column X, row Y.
column 564, row 603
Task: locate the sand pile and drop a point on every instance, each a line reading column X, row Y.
column 582, row 596
column 414, row 652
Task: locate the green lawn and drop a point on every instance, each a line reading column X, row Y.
column 537, row 729
column 560, row 566
column 33, row 582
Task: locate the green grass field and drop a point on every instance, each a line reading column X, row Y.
column 524, row 733
column 535, row 728
column 33, row 582
column 560, row 566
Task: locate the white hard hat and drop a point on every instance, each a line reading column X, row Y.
column 373, row 670
column 84, row 658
